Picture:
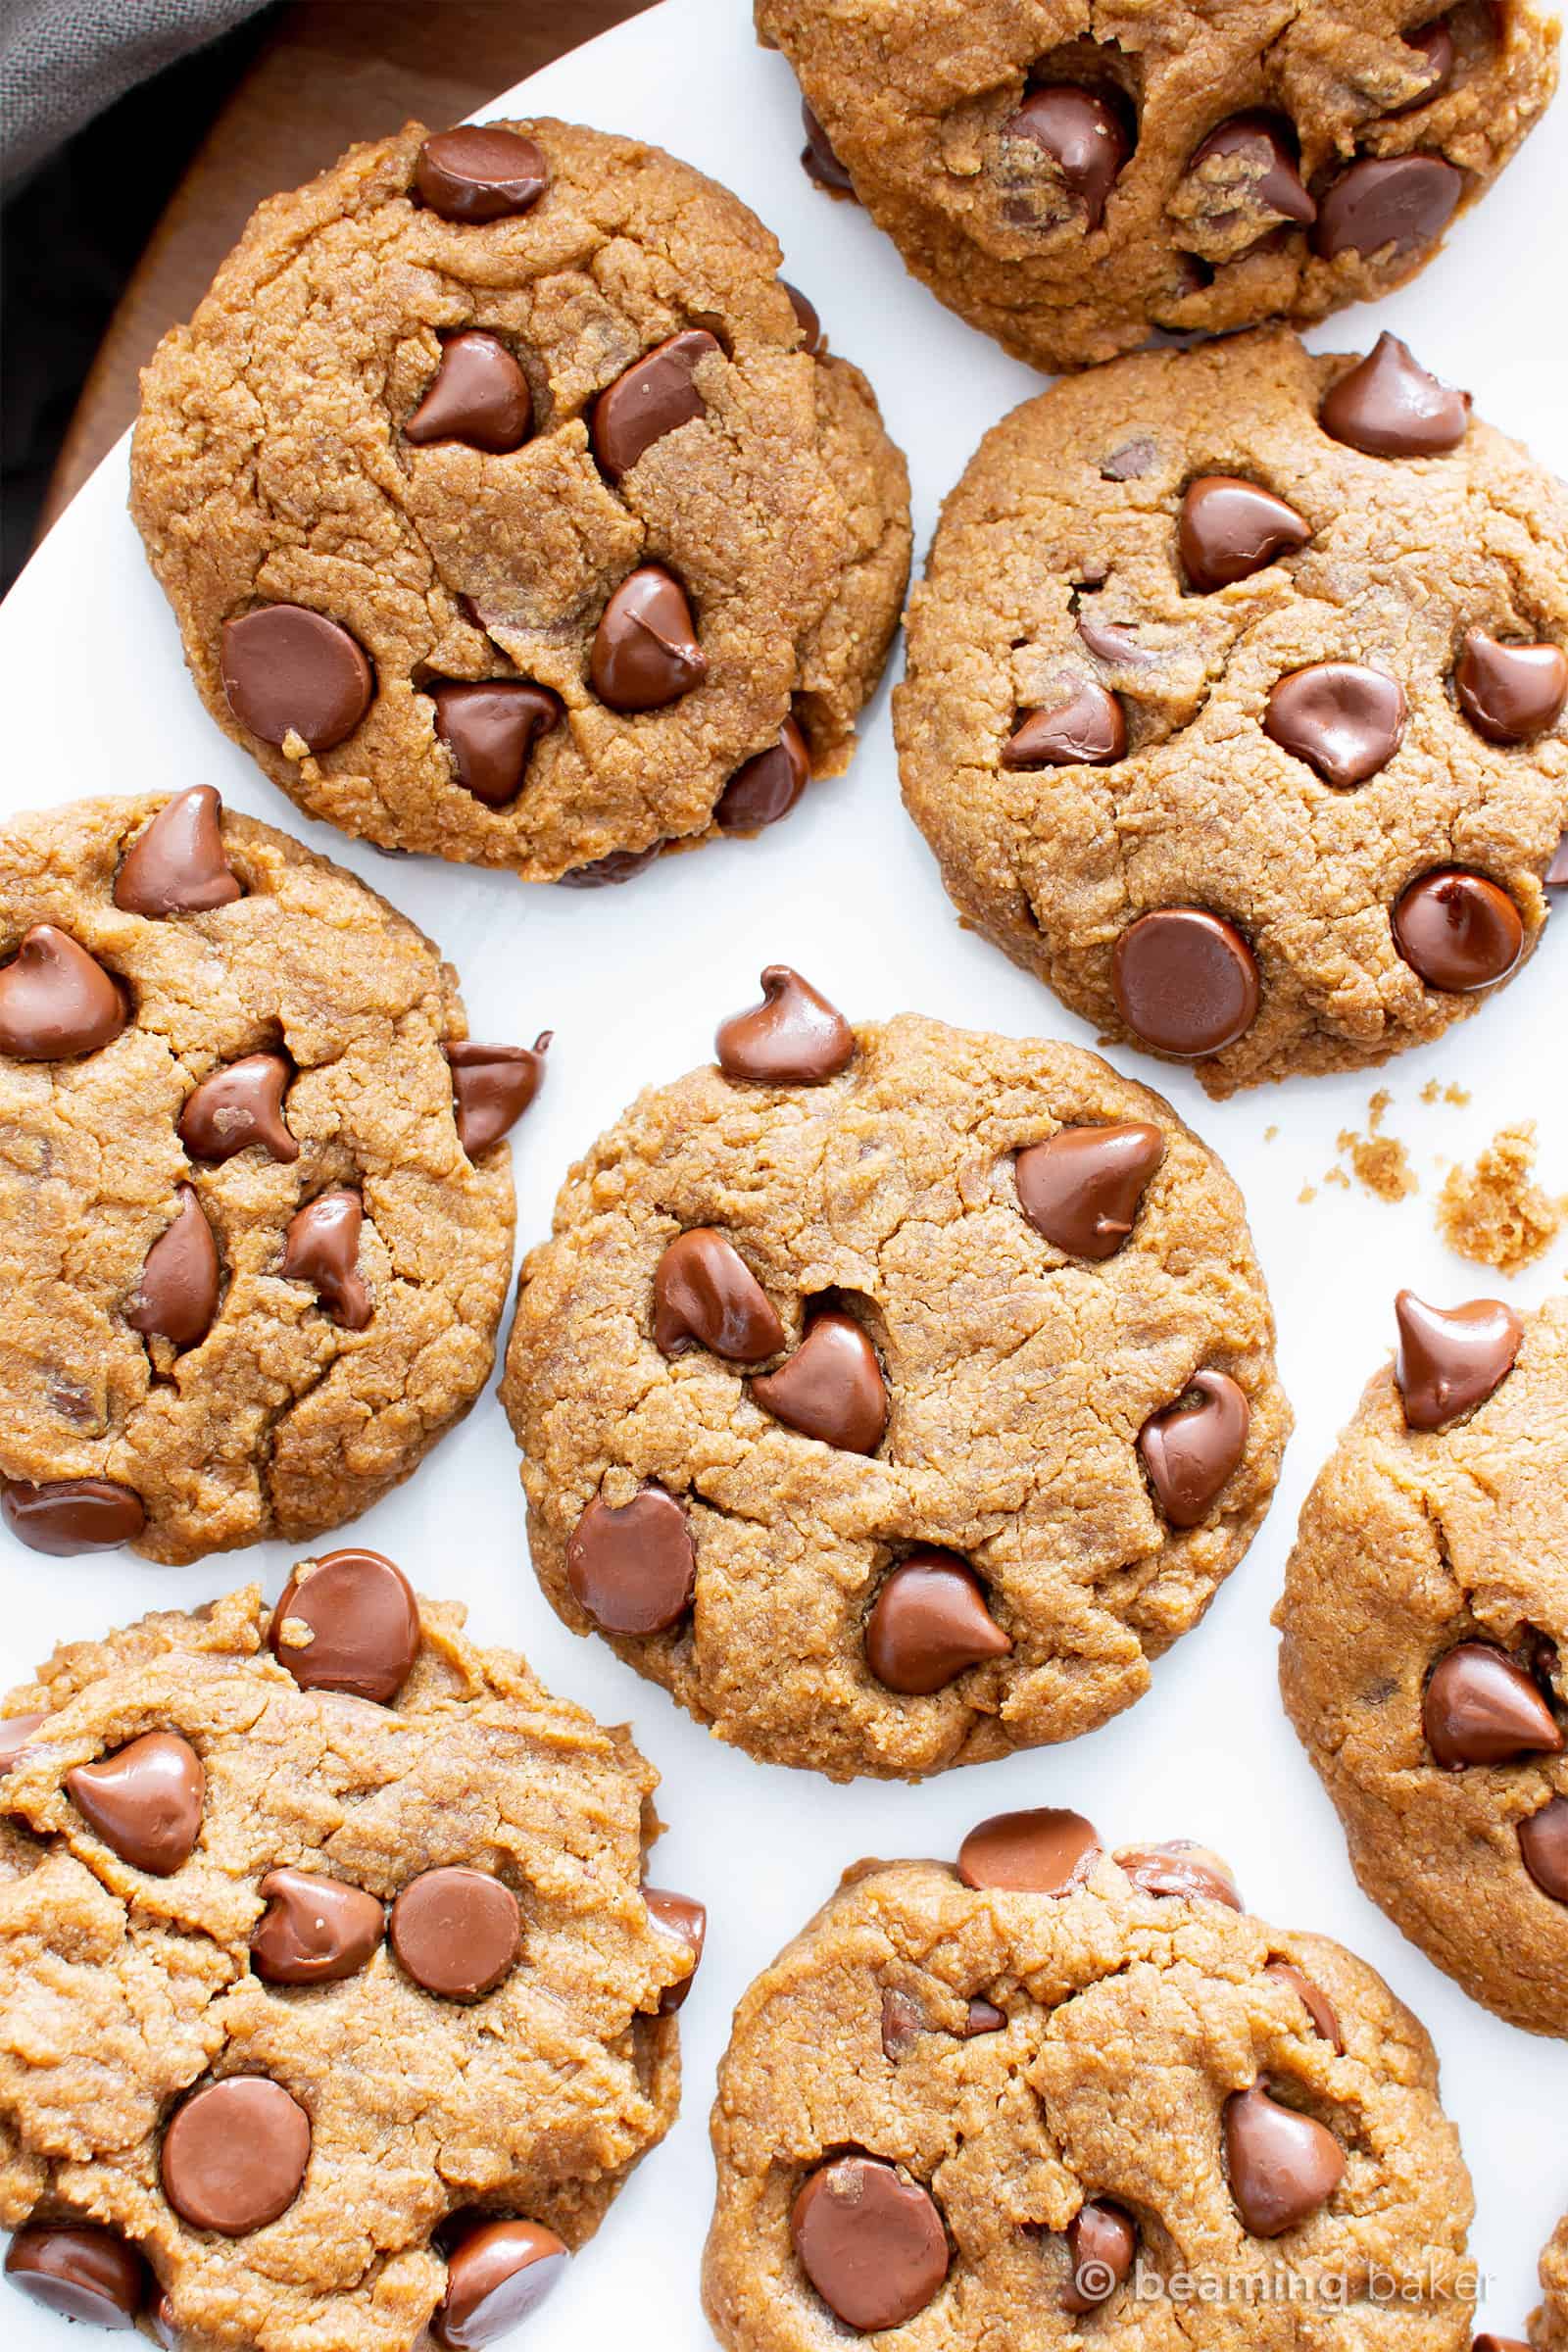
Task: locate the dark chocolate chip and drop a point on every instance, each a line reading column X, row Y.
column 497, row 2274
column 1264, row 175
column 805, row 308
column 644, row 651
column 983, row 2017
column 1101, row 2243
column 1082, row 1187
column 1043, row 1851
column 1509, row 692
column 1434, row 43
column 1450, row 1359
column 633, row 1569
column 930, row 1623
column 603, row 874
column 17, row 1732
column 479, row 173
column 650, row 399
column 1319, row 2008
column 1481, row 1708
column 1084, row 136
column 831, row 1388
column 1229, row 528
column 144, row 1801
column 685, row 1920
column 321, row 1247
column 314, row 1929
column 348, row 1621
column 1130, row 461
column 478, row 395
column 56, row 1000
column 457, row 1931
column 1398, row 202
column 1342, row 719
column 1544, row 1845
column 793, row 1038
column 1110, row 643
column 177, row 1293
column 1185, row 981
column 176, row 864
column 1087, row 729
column 872, row 2242
column 766, row 787
column 289, row 672
column 1181, row 1871
column 235, row 2155
column 492, row 1086
column 66, row 1516
column 1191, row 1449
column 80, row 2272
column 706, row 1296
column 237, row 1106
column 1458, row 931
column 490, row 727
column 1284, row 2167
column 819, row 158
column 1388, row 405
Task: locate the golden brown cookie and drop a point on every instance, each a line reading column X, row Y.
column 1424, row 1620
column 511, row 508
column 1235, row 701
column 1068, row 175
column 1548, row 2326
column 1053, row 2095
column 894, row 1396
column 323, row 2019
column 257, row 1215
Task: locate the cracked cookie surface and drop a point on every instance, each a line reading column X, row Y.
column 1059, row 2082
column 917, row 1495
column 1292, row 760
column 251, row 1274
column 120, row 1990
column 1069, row 174
column 391, row 415
column 1423, row 1620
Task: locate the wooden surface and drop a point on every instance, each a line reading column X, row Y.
column 331, row 72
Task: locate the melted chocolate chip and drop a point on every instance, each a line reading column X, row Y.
column 1434, row 44
column 1509, row 692
column 479, row 173
column 457, row 1931
column 1101, row 2243
column 321, row 1247
column 1388, row 405
column 819, row 159
column 1229, row 528
column 1191, row 1449
column 497, row 2274
column 1450, row 1359
column 766, row 788
column 1457, row 931
column 80, row 2272
column 872, row 2242
column 478, row 395
column 235, row 2154
column 1284, row 2167
column 793, row 1038
column 706, row 1296
column 176, row 864
column 1341, row 719
column 1255, row 169
column 1395, row 203
column 290, row 671
column 603, row 874
column 492, row 1086
column 17, row 1734
column 1319, row 2008
column 633, row 1569
column 930, row 1623
column 65, row 1517
column 314, row 1929
column 348, row 1621
column 1181, row 1871
column 650, row 399
column 1043, row 1851
column 490, row 727
column 685, row 1920
column 831, row 1388
column 56, row 1000
column 144, row 1801
column 1481, row 1708
column 805, row 308
column 1083, row 1187
column 1084, row 136
column 1544, row 1846
column 1111, row 644
column 176, row 1293
column 983, row 2017
column 903, row 2024
column 1185, row 981
column 237, row 1106
column 644, row 651
column 1089, row 728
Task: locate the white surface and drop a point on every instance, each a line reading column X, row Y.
column 633, row 981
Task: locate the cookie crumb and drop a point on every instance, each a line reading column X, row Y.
column 1269, row 1133
column 1380, row 1161
column 1337, row 1176
column 1377, row 1109
column 1307, row 1193
column 1492, row 1213
column 1435, row 1091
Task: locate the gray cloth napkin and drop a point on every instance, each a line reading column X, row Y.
column 63, row 61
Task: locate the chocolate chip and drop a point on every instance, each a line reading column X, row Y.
column 235, row 2154
column 805, row 308
column 80, row 2272
column 1284, row 2167
column 492, row 1086
column 17, row 1731
column 176, row 864
column 1481, row 1708
column 56, row 1000
column 633, row 1569
column 314, row 1929
column 1342, row 719
column 650, row 400
column 176, row 1293
column 831, row 1388
column 903, row 2024
column 457, row 1931
column 490, row 727
column 479, row 173
column 1458, row 931
column 1434, row 43
column 1266, row 178
column 1087, row 728
column 983, row 2017
column 1499, row 2343
column 1102, row 2242
column 497, row 2274
column 1191, row 1449
column 1509, row 692
column 1185, row 981
column 793, row 1038
column 1395, row 202
column 706, row 1296
column 766, row 788
column 872, row 2242
column 1084, row 136
column 66, row 1516
column 1043, row 1851
column 290, row 671
column 930, row 1623
column 1129, row 462
column 160, row 2317
column 348, row 1621
column 1452, row 1359
column 321, row 1247
column 144, row 1801
column 1319, row 2008
column 1229, row 528
column 686, row 1921
column 1181, row 1871
column 237, row 1106
column 1388, row 406
column 1543, row 1845
column 1111, row 644
column 478, row 395
column 819, row 159
column 644, row 651
column 601, row 873
column 1082, row 1187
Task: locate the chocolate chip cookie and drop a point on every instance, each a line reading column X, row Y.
column 1424, row 1619
column 512, row 509
column 1235, row 702
column 894, row 1396
column 1069, row 176
column 333, row 2005
column 257, row 1207
column 1052, row 2094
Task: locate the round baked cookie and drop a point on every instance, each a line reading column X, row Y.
column 331, row 2004
column 1235, row 701
column 1424, row 1618
column 1069, row 174
column 512, row 509
column 1051, row 2094
column 257, row 1210
column 894, row 1396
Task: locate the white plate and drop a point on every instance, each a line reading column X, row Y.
column 632, row 981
